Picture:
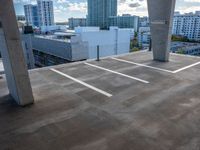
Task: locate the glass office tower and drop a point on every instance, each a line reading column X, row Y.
column 99, row 12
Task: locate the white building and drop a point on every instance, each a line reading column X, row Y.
column 111, row 42
column 58, row 48
column 45, row 12
column 53, row 28
column 144, row 36
column 81, row 44
column 31, row 15
column 40, row 15
column 187, row 25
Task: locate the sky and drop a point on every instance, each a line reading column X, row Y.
column 65, row 9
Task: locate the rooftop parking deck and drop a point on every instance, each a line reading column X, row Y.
column 127, row 102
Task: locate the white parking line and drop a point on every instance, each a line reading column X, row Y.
column 83, row 83
column 142, row 65
column 187, row 67
column 156, row 68
column 118, row 73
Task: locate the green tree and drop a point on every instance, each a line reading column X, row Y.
column 180, row 51
column 135, row 49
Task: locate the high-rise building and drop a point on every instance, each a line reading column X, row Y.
column 76, row 22
column 99, row 12
column 187, row 25
column 45, row 12
column 31, row 15
column 144, row 22
column 41, row 14
column 124, row 21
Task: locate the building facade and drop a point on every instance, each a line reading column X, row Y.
column 124, row 21
column 45, row 12
column 144, row 22
column 41, row 14
column 75, row 22
column 144, row 37
column 31, row 15
column 187, row 25
column 58, row 49
column 111, row 42
column 99, row 12
column 186, row 48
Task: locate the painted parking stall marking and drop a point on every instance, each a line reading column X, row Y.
column 118, row 73
column 187, row 67
column 83, row 83
column 142, row 65
column 156, row 68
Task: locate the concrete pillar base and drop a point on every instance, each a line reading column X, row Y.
column 161, row 20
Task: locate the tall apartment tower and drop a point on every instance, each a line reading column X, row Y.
column 99, row 12
column 31, row 15
column 45, row 12
column 187, row 25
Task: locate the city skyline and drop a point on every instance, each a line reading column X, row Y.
column 65, row 9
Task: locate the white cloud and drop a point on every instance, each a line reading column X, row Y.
column 74, row 8
column 134, row 7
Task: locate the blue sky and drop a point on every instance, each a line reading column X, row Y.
column 65, row 9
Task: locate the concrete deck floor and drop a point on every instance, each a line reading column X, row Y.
column 163, row 114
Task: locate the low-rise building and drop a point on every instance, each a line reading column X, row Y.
column 58, row 49
column 111, row 42
column 54, row 28
column 81, row 44
column 186, row 48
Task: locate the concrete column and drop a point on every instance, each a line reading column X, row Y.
column 13, row 57
column 161, row 14
column 28, row 50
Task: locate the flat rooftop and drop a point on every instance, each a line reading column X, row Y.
column 128, row 102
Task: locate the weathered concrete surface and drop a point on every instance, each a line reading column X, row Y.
column 13, row 57
column 161, row 115
column 1, row 67
column 161, row 20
